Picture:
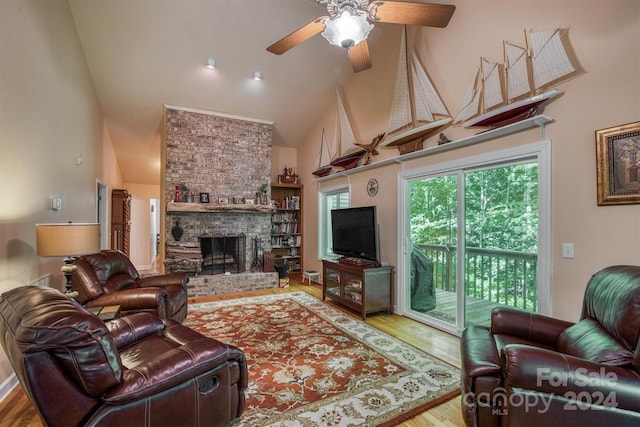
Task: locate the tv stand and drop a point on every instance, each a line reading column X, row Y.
column 358, row 262
column 362, row 288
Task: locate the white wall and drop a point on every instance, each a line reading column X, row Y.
column 49, row 116
column 282, row 157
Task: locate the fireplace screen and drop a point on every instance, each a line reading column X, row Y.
column 223, row 253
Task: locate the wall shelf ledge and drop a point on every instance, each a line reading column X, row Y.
column 532, row 122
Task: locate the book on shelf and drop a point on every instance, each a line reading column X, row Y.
column 289, row 202
column 283, row 241
column 284, row 228
column 285, row 217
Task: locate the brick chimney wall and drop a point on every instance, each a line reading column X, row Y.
column 224, row 156
column 215, row 154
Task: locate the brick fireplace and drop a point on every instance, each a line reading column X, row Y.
column 228, row 159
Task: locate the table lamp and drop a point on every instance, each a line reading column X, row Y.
column 67, row 240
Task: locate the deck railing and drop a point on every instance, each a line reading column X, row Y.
column 504, row 277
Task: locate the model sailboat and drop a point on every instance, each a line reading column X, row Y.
column 323, row 168
column 417, row 109
column 501, row 94
column 348, row 154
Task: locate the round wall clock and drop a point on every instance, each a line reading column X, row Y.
column 372, row 187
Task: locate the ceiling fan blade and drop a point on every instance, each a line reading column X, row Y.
column 298, row 36
column 400, row 12
column 359, row 56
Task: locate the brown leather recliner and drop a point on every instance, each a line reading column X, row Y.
column 137, row 370
column 109, row 278
column 533, row 370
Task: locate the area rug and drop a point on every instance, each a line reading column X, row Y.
column 312, row 365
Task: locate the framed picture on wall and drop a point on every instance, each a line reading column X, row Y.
column 618, row 164
column 223, row 200
column 204, row 197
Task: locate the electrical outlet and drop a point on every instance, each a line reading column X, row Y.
column 56, row 204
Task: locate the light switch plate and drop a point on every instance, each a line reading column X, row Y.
column 567, row 250
column 56, row 204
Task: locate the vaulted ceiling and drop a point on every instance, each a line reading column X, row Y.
column 143, row 54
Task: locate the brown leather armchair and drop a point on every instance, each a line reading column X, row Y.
column 109, row 278
column 137, row 370
column 533, row 370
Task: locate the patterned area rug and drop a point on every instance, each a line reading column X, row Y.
column 312, row 365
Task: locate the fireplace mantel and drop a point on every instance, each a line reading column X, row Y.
column 206, row 207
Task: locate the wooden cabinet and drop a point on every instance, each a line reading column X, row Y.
column 120, row 220
column 366, row 290
column 286, row 225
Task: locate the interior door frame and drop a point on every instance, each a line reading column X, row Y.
column 102, row 210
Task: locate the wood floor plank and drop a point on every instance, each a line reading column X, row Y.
column 17, row 411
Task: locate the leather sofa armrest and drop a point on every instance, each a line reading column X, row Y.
column 133, row 299
column 132, row 328
column 575, row 379
column 172, row 368
column 179, row 279
column 479, row 356
column 524, row 324
column 479, row 353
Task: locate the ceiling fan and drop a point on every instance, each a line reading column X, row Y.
column 348, row 24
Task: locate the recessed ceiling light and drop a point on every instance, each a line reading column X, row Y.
column 211, row 63
column 257, row 75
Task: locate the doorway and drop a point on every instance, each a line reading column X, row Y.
column 101, row 212
column 154, row 231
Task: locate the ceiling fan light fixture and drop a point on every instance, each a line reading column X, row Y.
column 257, row 75
column 347, row 30
column 210, row 63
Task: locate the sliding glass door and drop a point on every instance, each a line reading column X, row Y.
column 432, row 249
column 473, row 238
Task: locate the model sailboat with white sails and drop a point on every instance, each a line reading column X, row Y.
column 504, row 93
column 417, row 109
column 323, row 168
column 347, row 154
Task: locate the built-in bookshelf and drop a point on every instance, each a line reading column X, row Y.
column 286, row 225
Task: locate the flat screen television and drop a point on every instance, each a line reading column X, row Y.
column 354, row 233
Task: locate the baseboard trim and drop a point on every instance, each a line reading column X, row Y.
column 7, row 386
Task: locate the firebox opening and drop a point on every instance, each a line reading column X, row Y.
column 222, row 253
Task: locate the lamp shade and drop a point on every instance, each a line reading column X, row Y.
column 67, row 240
column 347, row 30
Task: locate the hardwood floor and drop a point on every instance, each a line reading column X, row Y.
column 16, row 410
